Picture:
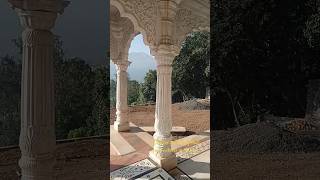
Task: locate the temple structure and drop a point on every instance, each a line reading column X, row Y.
column 164, row 25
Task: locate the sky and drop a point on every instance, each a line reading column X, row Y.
column 138, row 67
column 83, row 28
column 9, row 28
column 137, row 45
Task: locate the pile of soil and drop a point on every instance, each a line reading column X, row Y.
column 194, row 104
column 263, row 137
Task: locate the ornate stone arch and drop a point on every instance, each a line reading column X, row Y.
column 121, row 34
column 189, row 19
column 143, row 14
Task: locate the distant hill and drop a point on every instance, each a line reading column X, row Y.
column 141, row 64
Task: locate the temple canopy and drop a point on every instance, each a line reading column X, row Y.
column 164, row 25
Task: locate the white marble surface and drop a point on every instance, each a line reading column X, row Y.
column 132, row 170
column 198, row 167
column 157, row 174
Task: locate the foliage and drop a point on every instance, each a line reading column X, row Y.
column 261, row 59
column 141, row 99
column 81, row 96
column 98, row 122
column 149, row 86
column 74, row 100
column 133, row 91
column 312, row 29
column 191, row 67
column 80, row 132
column 10, row 73
column 113, row 89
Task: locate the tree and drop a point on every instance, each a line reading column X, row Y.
column 74, row 99
column 149, row 86
column 191, row 67
column 260, row 55
column 133, row 91
column 81, row 96
column 97, row 123
column 141, row 99
column 10, row 83
column 113, row 89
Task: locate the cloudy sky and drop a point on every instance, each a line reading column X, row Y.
column 83, row 29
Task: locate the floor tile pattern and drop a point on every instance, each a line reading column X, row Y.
column 132, row 170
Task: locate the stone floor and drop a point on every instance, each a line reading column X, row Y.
column 137, row 165
column 141, row 148
column 196, row 168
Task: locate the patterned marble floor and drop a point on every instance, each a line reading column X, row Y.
column 189, row 157
column 141, row 170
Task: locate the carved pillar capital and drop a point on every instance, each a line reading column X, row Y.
column 37, row 20
column 38, row 14
column 122, row 65
column 164, row 56
column 56, row 6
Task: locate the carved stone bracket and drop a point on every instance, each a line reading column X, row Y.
column 143, row 14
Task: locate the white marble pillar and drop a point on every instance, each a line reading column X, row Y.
column 122, row 124
column 37, row 136
column 162, row 153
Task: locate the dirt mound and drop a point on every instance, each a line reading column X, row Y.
column 194, row 104
column 263, row 138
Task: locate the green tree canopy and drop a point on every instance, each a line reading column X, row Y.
column 133, row 91
column 191, row 66
column 149, row 86
column 261, row 59
column 10, row 75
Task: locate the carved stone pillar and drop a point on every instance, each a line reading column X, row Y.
column 162, row 153
column 122, row 123
column 37, row 136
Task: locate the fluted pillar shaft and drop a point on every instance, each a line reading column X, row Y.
column 122, row 123
column 162, row 152
column 37, row 136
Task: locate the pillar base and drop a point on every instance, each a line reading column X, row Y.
column 37, row 168
column 121, row 127
column 167, row 163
